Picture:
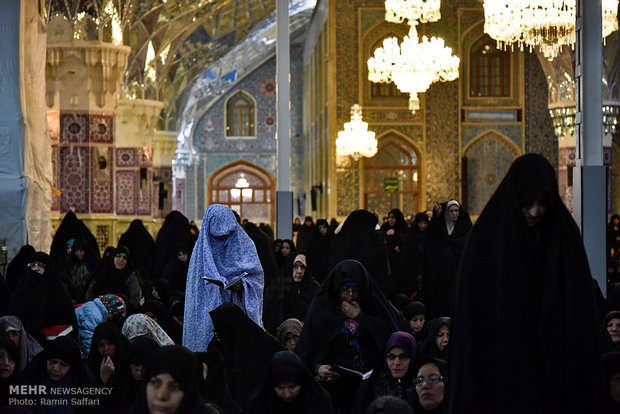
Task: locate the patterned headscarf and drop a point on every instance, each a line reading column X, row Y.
column 114, row 304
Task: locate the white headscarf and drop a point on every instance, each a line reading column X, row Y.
column 449, row 223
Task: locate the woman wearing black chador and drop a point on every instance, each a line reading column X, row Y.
column 524, row 332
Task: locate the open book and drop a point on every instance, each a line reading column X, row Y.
column 228, row 284
column 348, row 371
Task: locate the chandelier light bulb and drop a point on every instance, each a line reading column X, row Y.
column 424, row 11
column 355, row 139
column 413, row 66
column 547, row 25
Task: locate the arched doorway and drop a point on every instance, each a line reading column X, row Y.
column 246, row 189
column 392, row 176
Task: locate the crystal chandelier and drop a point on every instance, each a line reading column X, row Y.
column 356, row 140
column 413, row 66
column 424, row 11
column 547, row 25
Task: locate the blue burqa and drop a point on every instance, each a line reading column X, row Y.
column 223, row 251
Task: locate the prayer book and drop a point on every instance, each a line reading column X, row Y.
column 228, row 284
column 348, row 371
column 54, row 331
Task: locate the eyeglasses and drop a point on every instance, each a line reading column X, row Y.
column 36, row 264
column 431, row 379
column 392, row 357
column 350, row 289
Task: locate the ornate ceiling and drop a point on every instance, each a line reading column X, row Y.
column 171, row 41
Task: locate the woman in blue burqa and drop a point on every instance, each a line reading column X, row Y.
column 223, row 252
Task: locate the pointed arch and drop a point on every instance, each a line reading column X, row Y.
column 397, row 158
column 486, row 160
column 253, row 199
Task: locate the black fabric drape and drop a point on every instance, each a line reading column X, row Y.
column 17, row 266
column 358, row 240
column 70, row 228
column 286, row 366
column 394, row 246
column 263, row 249
column 175, row 231
column 442, row 253
column 247, row 349
column 319, row 251
column 525, row 306
column 142, row 247
column 412, row 255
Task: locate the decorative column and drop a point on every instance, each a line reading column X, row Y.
column 83, row 79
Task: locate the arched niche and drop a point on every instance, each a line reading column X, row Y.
column 485, row 162
column 256, row 201
column 397, row 158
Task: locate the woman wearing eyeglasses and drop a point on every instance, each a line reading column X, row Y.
column 430, row 387
column 40, row 299
column 393, row 376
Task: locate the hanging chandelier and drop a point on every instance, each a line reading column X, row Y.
column 356, row 140
column 548, row 25
column 413, row 66
column 424, row 11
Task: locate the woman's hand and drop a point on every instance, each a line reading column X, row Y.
column 107, row 369
column 237, row 287
column 350, row 309
column 390, row 232
column 324, row 373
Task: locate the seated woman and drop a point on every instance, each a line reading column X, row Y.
column 40, row 300
column 288, row 333
column 430, row 385
column 11, row 327
column 131, row 372
column 246, row 348
column 107, row 350
column 347, row 324
column 393, row 376
column 415, row 314
column 94, row 312
column 9, row 373
column 140, row 325
column 438, row 336
column 610, row 332
column 172, row 385
column 117, row 276
column 60, row 366
column 289, row 388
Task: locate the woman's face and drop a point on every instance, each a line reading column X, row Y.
column 417, row 322
column 443, row 337
column 291, row 341
column 120, row 261
column 429, row 388
column 287, row 391
column 391, row 220
column 163, row 394
column 349, row 293
column 613, row 328
column 57, row 369
column 423, row 225
column 299, row 269
column 534, row 213
column 398, row 362
column 285, row 249
column 106, row 348
column 79, row 254
column 453, row 212
column 323, row 229
column 7, row 365
column 182, row 256
column 155, row 294
column 137, row 371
